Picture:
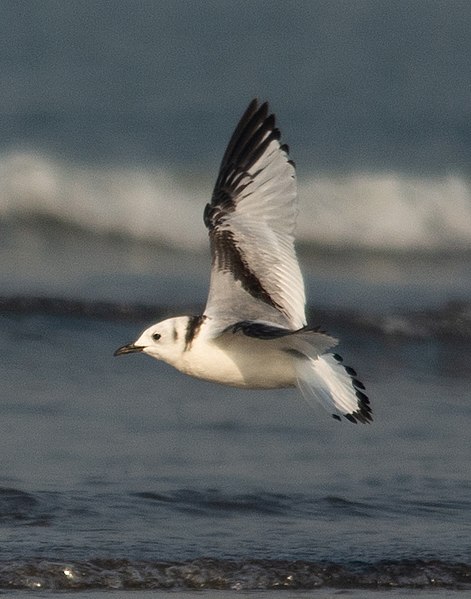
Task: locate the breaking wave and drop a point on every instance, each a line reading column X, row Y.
column 375, row 211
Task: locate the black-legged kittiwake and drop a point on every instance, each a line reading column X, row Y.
column 253, row 332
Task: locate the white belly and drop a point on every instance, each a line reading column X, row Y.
column 243, row 362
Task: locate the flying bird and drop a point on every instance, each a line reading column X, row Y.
column 253, row 332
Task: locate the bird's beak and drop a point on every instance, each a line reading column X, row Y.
column 130, row 348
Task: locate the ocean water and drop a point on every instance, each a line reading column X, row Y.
column 123, row 474
column 123, row 477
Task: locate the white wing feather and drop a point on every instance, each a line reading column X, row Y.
column 325, row 379
column 255, row 273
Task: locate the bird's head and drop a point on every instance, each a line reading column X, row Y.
column 163, row 341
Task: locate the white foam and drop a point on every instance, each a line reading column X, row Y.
column 141, row 203
column 374, row 211
column 386, row 211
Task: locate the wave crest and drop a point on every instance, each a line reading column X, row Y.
column 371, row 211
column 387, row 211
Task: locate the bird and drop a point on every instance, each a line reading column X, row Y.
column 253, row 332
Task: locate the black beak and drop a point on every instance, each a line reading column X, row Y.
column 128, row 349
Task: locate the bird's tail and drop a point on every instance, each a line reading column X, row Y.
column 335, row 386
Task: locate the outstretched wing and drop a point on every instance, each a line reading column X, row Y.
column 251, row 218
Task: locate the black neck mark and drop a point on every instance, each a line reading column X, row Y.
column 192, row 329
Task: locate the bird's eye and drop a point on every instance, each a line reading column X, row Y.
column 156, row 336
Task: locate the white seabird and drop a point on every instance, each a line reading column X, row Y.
column 253, row 332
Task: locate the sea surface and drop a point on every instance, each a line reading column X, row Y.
column 123, row 474
column 121, row 477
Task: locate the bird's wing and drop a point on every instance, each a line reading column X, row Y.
column 255, row 274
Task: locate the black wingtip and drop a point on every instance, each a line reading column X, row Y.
column 255, row 107
column 252, row 108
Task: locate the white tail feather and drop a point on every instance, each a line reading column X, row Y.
column 325, row 379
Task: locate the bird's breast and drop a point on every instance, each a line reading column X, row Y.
column 243, row 362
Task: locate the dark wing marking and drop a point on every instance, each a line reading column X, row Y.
column 266, row 331
column 228, row 257
column 260, row 330
column 363, row 413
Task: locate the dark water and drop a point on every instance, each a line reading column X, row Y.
column 124, row 474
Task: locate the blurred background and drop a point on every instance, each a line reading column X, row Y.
column 114, row 116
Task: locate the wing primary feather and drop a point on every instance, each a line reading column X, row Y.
column 245, row 147
column 244, row 120
column 245, row 135
column 249, row 142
